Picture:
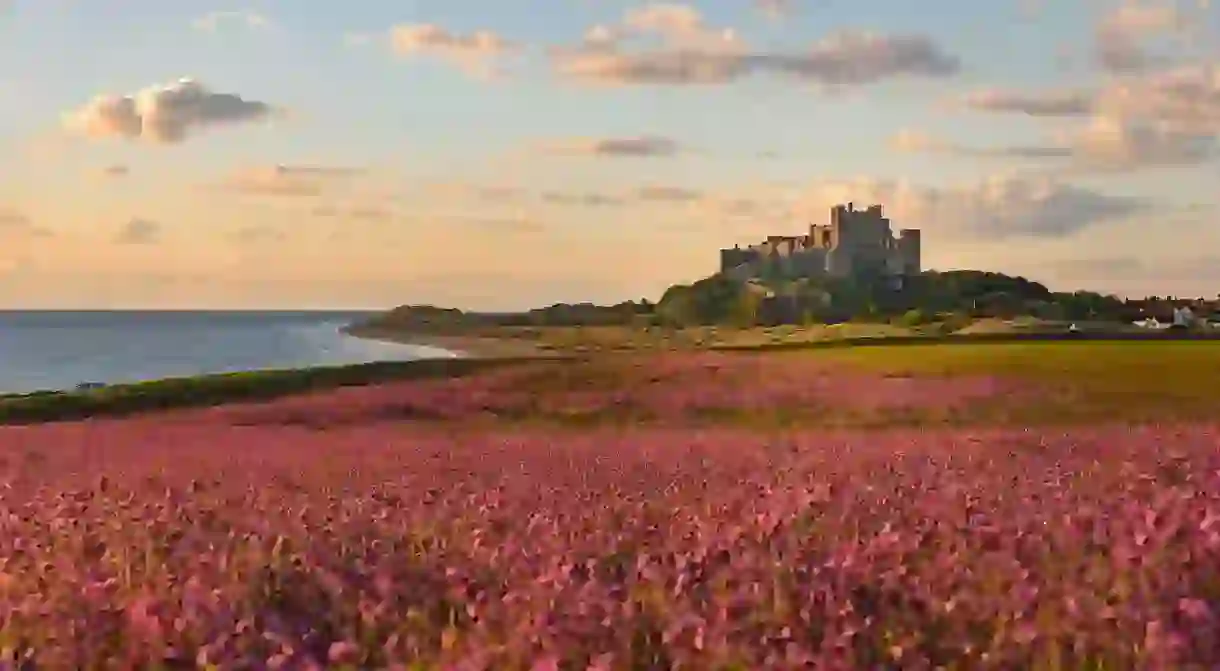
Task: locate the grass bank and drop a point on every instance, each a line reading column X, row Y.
column 207, row 390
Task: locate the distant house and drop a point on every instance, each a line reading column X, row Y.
column 1150, row 323
column 1183, row 317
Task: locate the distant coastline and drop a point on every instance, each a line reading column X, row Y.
column 469, row 347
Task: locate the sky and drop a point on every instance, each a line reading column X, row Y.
column 503, row 154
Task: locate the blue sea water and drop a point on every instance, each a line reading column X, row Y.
column 61, row 349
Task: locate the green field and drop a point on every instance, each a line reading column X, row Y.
column 1085, row 380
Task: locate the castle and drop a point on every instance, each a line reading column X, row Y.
column 855, row 243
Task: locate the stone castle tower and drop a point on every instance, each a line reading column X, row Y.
column 854, row 243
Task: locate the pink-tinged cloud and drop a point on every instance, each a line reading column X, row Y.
column 690, row 52
column 1105, row 143
column 477, row 53
column 1000, row 207
column 1036, row 104
column 139, row 231
column 286, row 180
column 167, row 114
column 1122, row 35
column 643, row 146
column 18, row 224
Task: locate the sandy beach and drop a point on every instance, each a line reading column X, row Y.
column 464, row 346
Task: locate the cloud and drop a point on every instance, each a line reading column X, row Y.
column 10, row 265
column 1165, row 117
column 16, row 223
column 1121, row 36
column 466, row 191
column 286, row 180
column 12, row 219
column 508, row 224
column 1186, row 98
column 1036, row 104
column 317, row 171
column 357, row 40
column 775, row 9
column 1097, row 268
column 166, row 114
column 667, row 194
column 1001, row 207
column 250, row 19
column 1139, row 276
column 752, row 208
column 907, row 141
column 639, row 146
column 1103, row 144
column 358, row 213
column 582, row 199
column 1114, row 143
column 138, row 232
column 670, row 44
column 477, row 53
column 116, row 170
column 258, row 233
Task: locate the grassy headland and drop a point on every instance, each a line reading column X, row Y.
column 1079, row 380
column 208, row 390
column 720, row 311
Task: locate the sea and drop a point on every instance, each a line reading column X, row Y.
column 51, row 350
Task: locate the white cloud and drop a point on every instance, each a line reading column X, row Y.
column 210, row 22
column 775, row 9
column 166, row 114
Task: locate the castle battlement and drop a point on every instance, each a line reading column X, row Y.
column 853, row 242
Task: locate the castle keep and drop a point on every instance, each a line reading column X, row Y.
column 854, row 243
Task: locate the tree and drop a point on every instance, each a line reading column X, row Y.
column 915, row 317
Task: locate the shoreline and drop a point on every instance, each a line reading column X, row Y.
column 465, row 347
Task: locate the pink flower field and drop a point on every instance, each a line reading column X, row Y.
column 189, row 540
column 671, row 388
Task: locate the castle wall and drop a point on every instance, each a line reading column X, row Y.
column 740, row 273
column 854, row 242
column 865, row 239
column 810, row 262
column 909, row 250
column 731, row 258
